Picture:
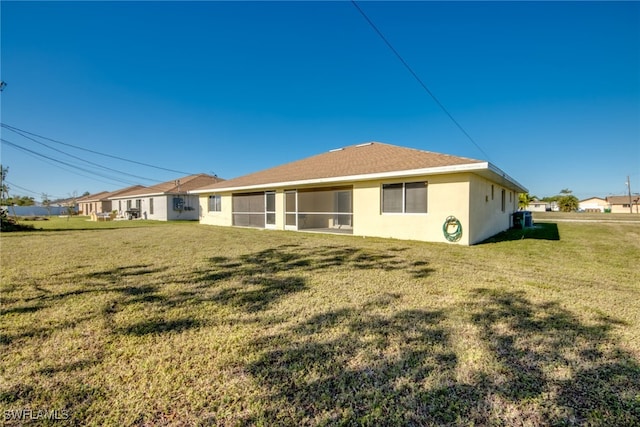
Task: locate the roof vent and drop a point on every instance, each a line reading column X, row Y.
column 365, row 144
column 336, row 149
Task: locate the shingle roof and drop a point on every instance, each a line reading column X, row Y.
column 105, row 195
column 591, row 198
column 93, row 197
column 180, row 185
column 361, row 159
column 622, row 200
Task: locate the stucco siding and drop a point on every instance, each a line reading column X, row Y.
column 446, row 195
column 486, row 204
column 222, row 218
column 465, row 196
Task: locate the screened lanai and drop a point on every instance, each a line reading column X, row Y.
column 327, row 210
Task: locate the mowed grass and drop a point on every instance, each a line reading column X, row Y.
column 186, row 324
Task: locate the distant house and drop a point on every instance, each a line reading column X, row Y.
column 593, row 204
column 164, row 202
column 100, row 202
column 624, row 204
column 538, row 206
column 370, row 189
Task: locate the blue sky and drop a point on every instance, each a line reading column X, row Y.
column 549, row 92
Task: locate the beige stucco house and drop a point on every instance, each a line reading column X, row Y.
column 593, row 204
column 370, row 189
column 538, row 206
column 101, row 202
column 624, row 204
column 164, row 202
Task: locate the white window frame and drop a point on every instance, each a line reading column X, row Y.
column 404, row 198
column 217, row 203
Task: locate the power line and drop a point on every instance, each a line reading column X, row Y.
column 72, row 171
column 15, row 129
column 413, row 73
column 84, row 160
column 31, row 191
column 16, row 146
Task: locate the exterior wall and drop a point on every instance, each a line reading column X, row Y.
column 465, row 196
column 488, row 218
column 224, row 217
column 537, row 207
column 625, row 208
column 446, row 195
column 116, row 203
column 594, row 204
column 162, row 207
column 89, row 207
column 190, row 201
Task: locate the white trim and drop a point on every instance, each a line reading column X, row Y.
column 267, row 212
column 438, row 170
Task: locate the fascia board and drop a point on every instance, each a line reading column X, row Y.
column 519, row 187
column 439, row 170
column 134, row 196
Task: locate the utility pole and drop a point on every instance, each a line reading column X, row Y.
column 629, row 188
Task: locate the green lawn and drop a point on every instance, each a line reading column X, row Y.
column 151, row 323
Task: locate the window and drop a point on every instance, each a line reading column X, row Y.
column 151, row 206
column 178, row 204
column 291, row 209
column 128, row 205
column 248, row 209
column 215, row 203
column 409, row 197
column 392, row 198
column 504, row 200
column 270, row 207
column 492, row 191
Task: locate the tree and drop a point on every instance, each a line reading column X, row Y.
column 19, row 201
column 6, row 223
column 46, row 203
column 567, row 202
column 5, row 189
column 523, row 200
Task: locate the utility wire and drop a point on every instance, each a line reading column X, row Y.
column 11, row 144
column 83, row 160
column 413, row 73
column 31, row 191
column 74, row 170
column 15, row 129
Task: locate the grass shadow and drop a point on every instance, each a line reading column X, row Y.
column 545, row 350
column 338, row 367
column 539, row 231
column 365, row 365
column 259, row 279
column 292, row 258
column 259, row 292
column 158, row 326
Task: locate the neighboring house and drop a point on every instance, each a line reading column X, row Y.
column 100, row 202
column 538, row 206
column 164, row 202
column 371, row 189
column 624, row 204
column 92, row 203
column 593, row 204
